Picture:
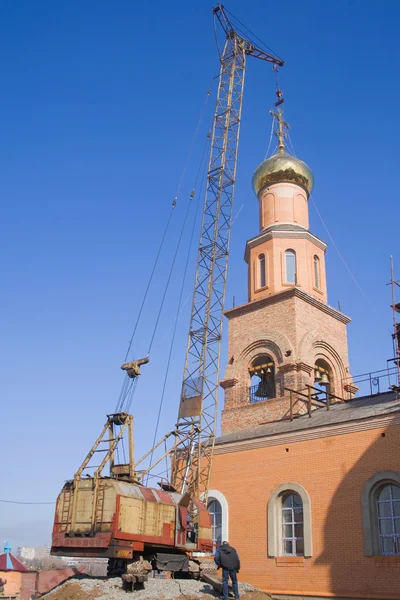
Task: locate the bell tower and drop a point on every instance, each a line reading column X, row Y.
column 286, row 336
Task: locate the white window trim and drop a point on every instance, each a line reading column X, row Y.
column 368, row 508
column 216, row 495
column 274, row 547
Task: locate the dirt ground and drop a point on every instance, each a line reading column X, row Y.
column 248, row 596
column 73, row 591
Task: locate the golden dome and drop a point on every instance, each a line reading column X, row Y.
column 283, row 167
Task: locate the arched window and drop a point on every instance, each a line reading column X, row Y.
column 290, row 266
column 215, row 510
column 316, row 272
column 262, row 378
column 217, row 506
column 289, row 521
column 262, row 273
column 388, row 513
column 380, row 503
column 292, row 525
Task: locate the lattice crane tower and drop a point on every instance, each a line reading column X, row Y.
column 199, row 395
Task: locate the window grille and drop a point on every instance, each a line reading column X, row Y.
column 388, row 509
column 215, row 510
column 292, row 526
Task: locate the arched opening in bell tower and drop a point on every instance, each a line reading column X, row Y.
column 322, row 379
column 262, row 379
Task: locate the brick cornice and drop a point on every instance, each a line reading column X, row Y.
column 269, row 235
column 301, row 366
column 293, row 292
column 309, row 434
column 287, row 367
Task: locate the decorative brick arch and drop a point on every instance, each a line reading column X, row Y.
column 271, row 342
column 312, row 348
column 324, row 351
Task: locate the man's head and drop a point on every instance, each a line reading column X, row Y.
column 225, row 543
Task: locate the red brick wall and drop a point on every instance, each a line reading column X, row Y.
column 295, row 331
column 274, row 250
column 333, row 470
column 13, row 579
column 28, row 585
column 49, row 579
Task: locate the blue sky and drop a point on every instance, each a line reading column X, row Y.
column 99, row 103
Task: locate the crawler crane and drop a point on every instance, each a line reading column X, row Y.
column 118, row 516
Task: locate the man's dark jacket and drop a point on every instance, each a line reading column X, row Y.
column 227, row 558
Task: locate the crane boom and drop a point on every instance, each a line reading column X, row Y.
column 199, row 394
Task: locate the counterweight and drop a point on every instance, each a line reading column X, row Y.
column 199, row 395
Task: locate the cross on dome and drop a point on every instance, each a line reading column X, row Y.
column 282, row 128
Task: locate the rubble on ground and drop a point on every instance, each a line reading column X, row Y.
column 155, row 589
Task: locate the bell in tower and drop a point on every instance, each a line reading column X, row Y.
column 263, row 372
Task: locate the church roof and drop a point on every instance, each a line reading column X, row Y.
column 8, row 562
column 363, row 408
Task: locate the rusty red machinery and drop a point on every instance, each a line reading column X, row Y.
column 116, row 517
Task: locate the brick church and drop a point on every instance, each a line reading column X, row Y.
column 306, row 474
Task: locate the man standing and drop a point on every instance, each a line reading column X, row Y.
column 227, row 558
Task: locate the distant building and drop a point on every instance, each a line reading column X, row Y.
column 42, row 552
column 27, row 553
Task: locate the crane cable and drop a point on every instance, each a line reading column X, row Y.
column 126, row 382
column 16, row 502
column 216, row 37
column 350, row 272
column 189, row 206
column 178, row 310
column 151, row 277
column 171, row 271
column 251, row 34
column 174, row 202
column 126, row 389
column 270, row 139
